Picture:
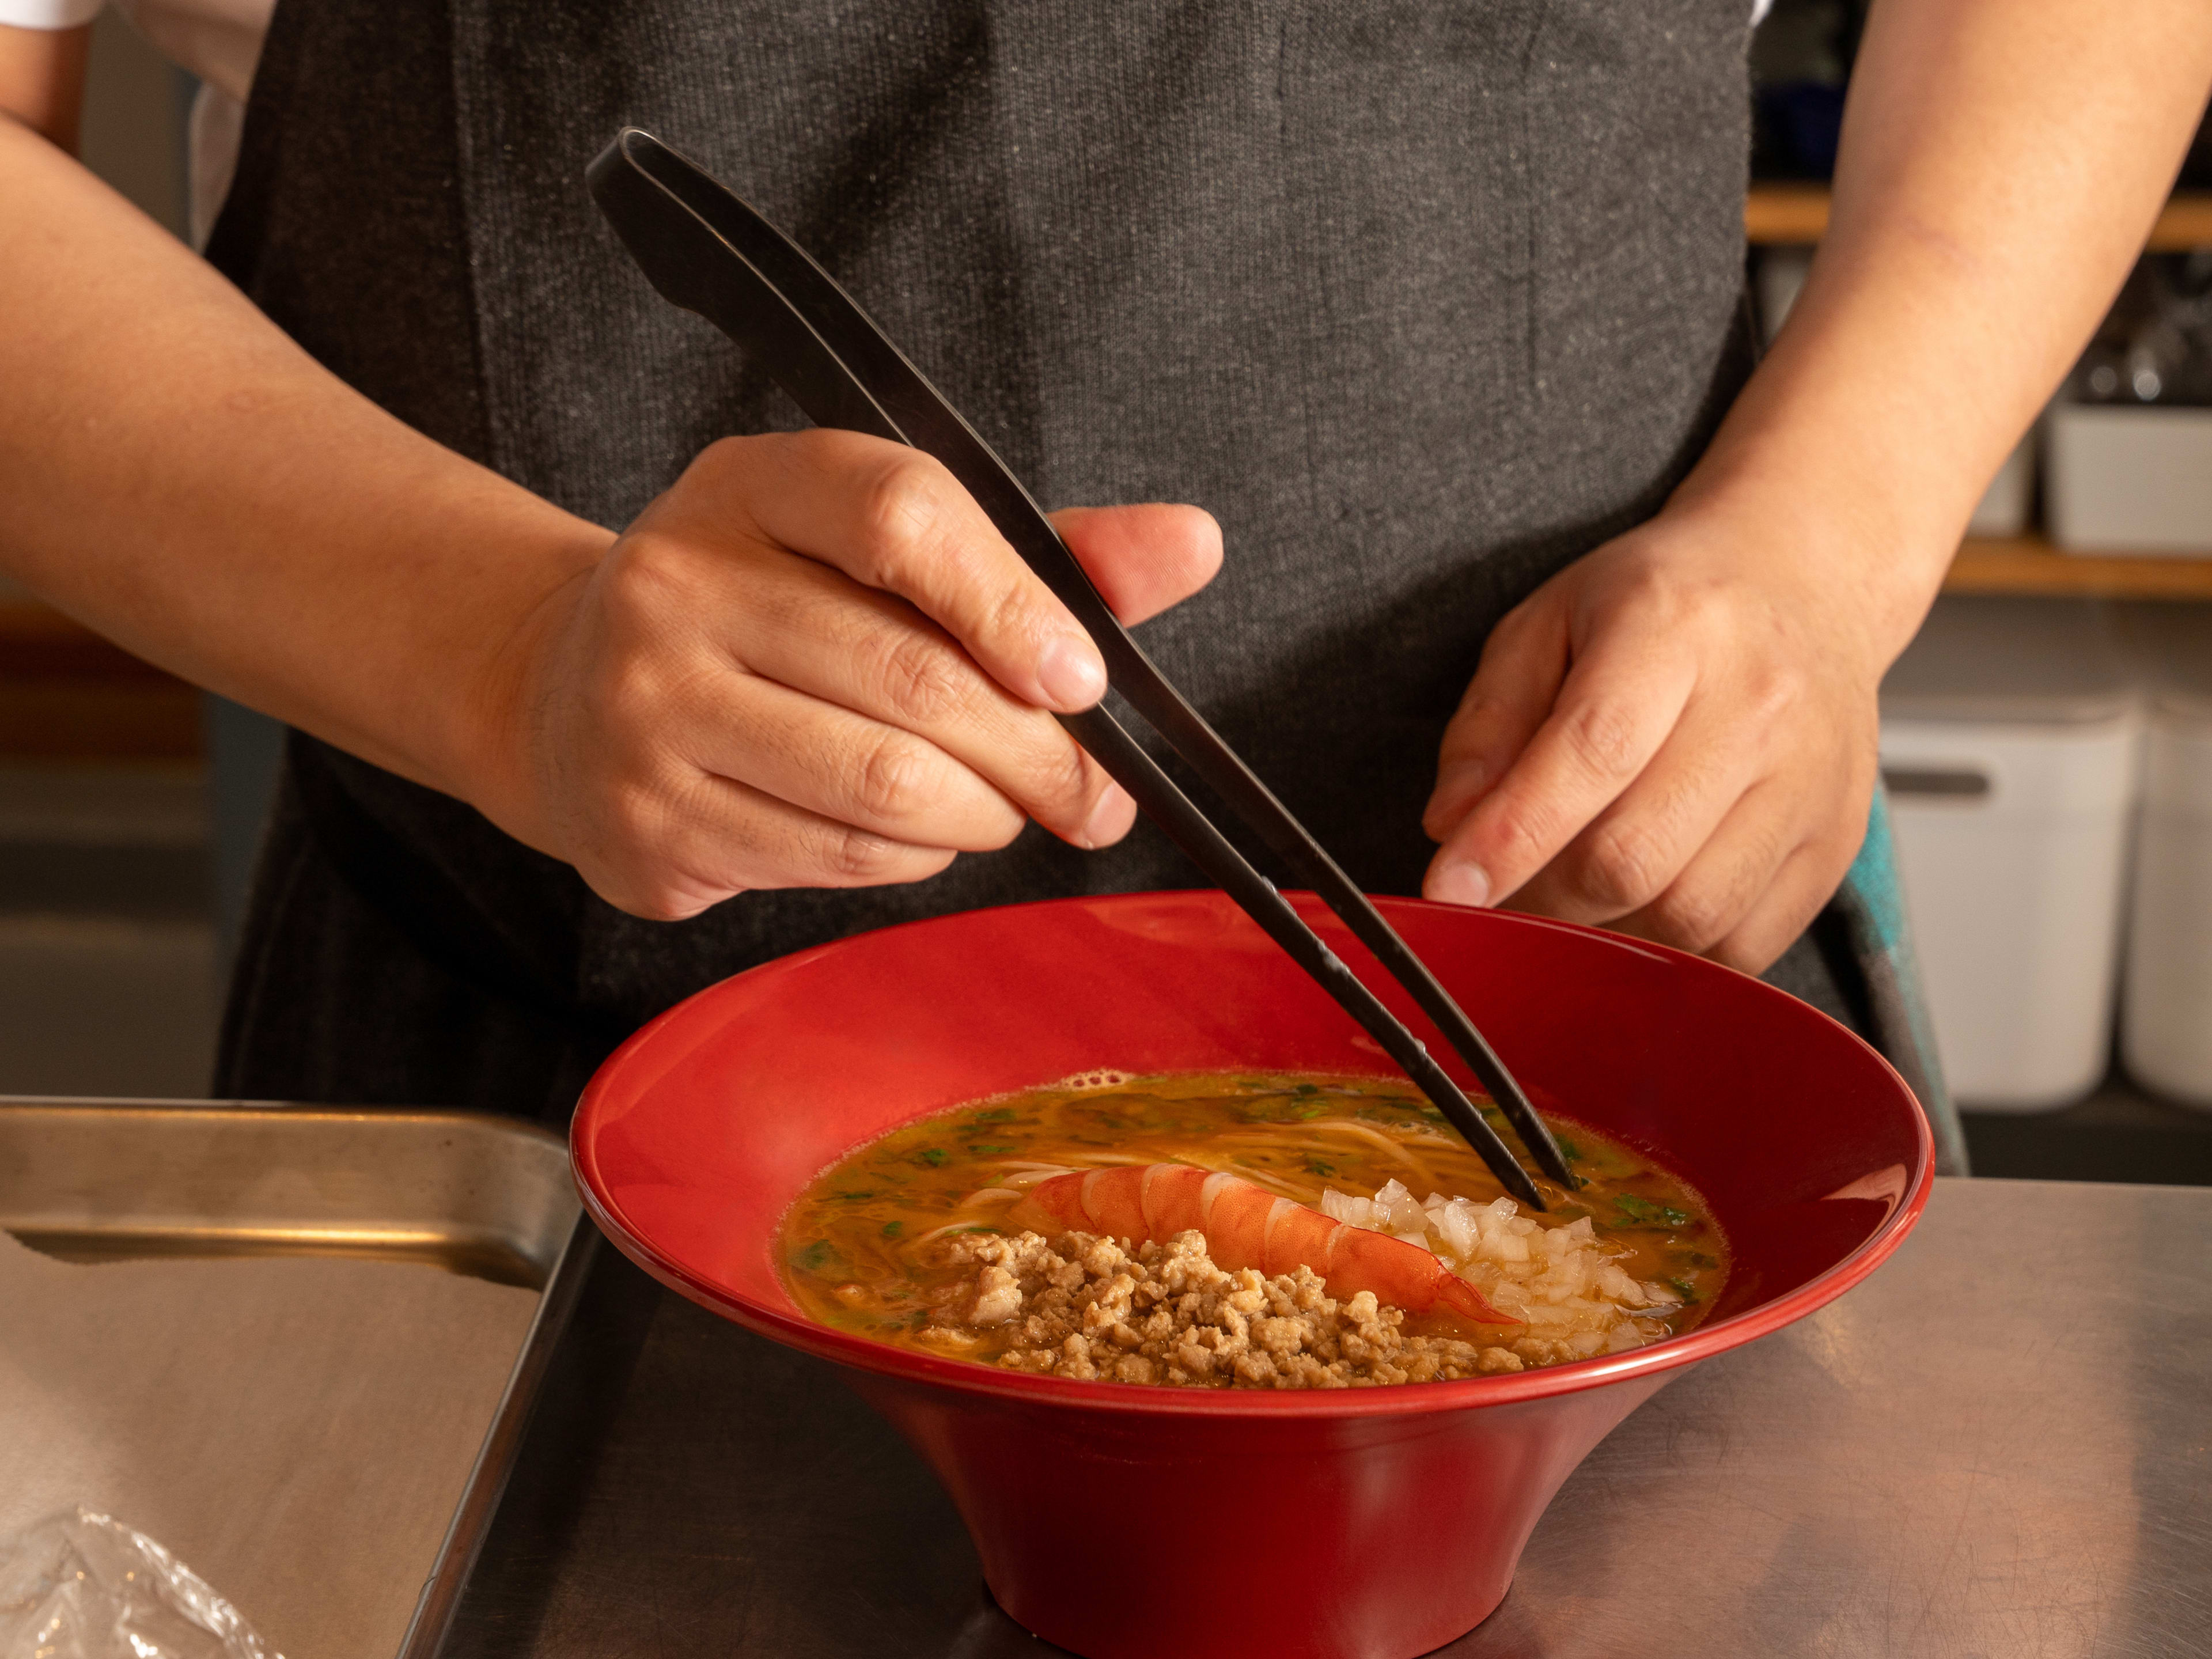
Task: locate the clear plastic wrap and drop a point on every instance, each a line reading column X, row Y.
column 79, row 1585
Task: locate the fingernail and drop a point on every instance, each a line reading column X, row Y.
column 1070, row 672
column 1460, row 883
column 1104, row 823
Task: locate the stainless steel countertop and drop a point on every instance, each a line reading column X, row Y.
column 1999, row 1446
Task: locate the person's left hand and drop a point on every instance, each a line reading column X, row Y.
column 1674, row 738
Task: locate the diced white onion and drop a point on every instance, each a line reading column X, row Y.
column 1563, row 1282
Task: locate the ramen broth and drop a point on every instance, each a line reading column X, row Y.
column 883, row 1243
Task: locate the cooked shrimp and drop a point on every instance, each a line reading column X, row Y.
column 1248, row 1226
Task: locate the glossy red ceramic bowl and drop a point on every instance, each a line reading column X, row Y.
column 1132, row 1523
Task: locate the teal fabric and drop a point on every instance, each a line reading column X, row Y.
column 1871, row 901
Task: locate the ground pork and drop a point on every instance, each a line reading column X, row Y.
column 1082, row 1307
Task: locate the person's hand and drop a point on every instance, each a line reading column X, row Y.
column 813, row 662
column 1673, row 738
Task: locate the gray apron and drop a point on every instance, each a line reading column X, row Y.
column 1421, row 300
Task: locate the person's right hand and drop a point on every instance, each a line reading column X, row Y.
column 814, row 662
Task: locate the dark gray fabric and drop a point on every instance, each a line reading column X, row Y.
column 1421, row 300
column 343, row 1000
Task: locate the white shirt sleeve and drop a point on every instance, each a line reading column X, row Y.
column 49, row 14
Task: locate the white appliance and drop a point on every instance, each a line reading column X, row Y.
column 2119, row 478
column 2166, row 1018
column 2008, row 744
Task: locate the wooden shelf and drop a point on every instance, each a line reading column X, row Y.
column 2030, row 565
column 1784, row 215
column 1794, row 215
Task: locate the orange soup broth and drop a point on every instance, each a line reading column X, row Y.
column 867, row 1247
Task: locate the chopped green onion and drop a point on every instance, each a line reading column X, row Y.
column 1645, row 1213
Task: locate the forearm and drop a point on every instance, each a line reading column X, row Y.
column 2001, row 162
column 179, row 476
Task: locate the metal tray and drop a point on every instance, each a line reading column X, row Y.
column 107, row 1180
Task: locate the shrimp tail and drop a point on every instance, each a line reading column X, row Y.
column 1469, row 1303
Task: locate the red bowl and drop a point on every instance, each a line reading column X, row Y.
column 1153, row 1522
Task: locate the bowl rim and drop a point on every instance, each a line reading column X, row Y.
column 967, row 1376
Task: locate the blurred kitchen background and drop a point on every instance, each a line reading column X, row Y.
column 129, row 804
column 2047, row 740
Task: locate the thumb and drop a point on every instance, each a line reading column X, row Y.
column 1145, row 558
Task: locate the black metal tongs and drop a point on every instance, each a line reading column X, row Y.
column 708, row 252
